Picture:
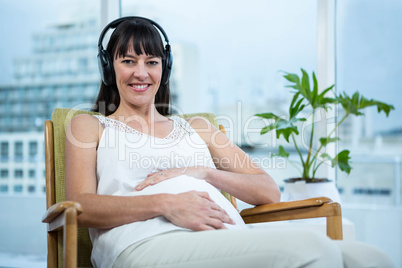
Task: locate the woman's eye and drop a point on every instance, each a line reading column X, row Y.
column 127, row 61
column 153, row 62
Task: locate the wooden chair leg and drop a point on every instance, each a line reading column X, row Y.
column 52, row 249
column 334, row 223
column 70, row 239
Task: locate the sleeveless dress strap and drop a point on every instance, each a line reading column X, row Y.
column 182, row 126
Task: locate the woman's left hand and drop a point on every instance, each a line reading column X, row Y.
column 154, row 178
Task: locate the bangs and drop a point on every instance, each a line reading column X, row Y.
column 139, row 36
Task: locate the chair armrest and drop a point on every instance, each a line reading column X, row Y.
column 284, row 206
column 295, row 210
column 55, row 215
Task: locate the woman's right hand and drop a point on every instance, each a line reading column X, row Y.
column 196, row 211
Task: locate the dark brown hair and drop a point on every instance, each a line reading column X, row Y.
column 144, row 38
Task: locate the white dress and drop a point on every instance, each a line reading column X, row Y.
column 125, row 157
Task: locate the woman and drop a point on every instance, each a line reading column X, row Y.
column 147, row 182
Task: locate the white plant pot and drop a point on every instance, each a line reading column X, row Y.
column 301, row 190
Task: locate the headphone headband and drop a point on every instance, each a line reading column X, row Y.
column 105, row 62
column 115, row 23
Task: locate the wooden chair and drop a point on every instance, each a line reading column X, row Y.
column 69, row 246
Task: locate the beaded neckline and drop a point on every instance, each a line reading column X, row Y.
column 180, row 127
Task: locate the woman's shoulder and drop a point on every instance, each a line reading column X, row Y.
column 85, row 120
column 205, row 129
column 85, row 127
column 200, row 123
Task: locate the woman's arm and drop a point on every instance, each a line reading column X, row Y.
column 237, row 174
column 105, row 211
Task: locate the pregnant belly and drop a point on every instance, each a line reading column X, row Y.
column 186, row 183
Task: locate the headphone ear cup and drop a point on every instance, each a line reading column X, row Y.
column 167, row 66
column 106, row 69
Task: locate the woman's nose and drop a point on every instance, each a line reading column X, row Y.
column 141, row 71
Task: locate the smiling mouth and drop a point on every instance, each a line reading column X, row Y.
column 140, row 88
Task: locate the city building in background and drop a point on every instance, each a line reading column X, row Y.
column 61, row 72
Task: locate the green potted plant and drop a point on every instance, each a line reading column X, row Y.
column 312, row 154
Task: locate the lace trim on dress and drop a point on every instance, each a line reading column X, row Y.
column 181, row 127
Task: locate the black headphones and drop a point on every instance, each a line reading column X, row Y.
column 105, row 62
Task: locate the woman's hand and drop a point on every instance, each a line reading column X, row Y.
column 196, row 211
column 154, row 178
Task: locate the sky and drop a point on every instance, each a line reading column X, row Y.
column 243, row 47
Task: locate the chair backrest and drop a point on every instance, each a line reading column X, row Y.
column 55, row 187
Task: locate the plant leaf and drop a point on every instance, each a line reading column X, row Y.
column 305, row 86
column 325, row 155
column 315, row 89
column 294, row 111
column 285, row 128
column 282, row 152
column 268, row 128
column 342, row 160
column 268, row 116
column 322, row 101
column 294, row 78
column 356, row 103
column 325, row 141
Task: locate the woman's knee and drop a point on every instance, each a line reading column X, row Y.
column 361, row 255
column 317, row 250
column 298, row 249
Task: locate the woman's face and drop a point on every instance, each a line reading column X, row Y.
column 138, row 78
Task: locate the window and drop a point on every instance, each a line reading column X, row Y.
column 369, row 49
column 4, row 173
column 32, row 173
column 18, row 188
column 18, row 150
column 37, row 61
column 33, row 150
column 4, row 151
column 31, row 188
column 18, row 174
column 3, row 188
column 368, row 60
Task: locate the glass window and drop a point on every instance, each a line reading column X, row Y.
column 4, row 173
column 18, row 173
column 18, row 150
column 46, row 92
column 4, row 93
column 32, row 173
column 3, row 188
column 37, row 60
column 4, row 150
column 18, row 188
column 251, row 51
column 31, row 188
column 33, row 148
column 368, row 56
column 368, row 60
column 61, row 91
